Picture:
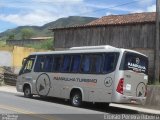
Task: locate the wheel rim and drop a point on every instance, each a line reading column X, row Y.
column 76, row 100
column 27, row 92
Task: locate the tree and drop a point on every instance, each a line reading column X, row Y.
column 26, row 33
column 11, row 37
column 47, row 45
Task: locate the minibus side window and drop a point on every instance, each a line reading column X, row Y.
column 48, row 63
column 110, row 62
column 39, row 66
column 58, row 59
column 91, row 63
column 44, row 63
column 66, row 63
column 96, row 63
column 76, row 59
column 85, row 65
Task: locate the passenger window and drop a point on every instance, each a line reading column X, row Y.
column 85, row 65
column 44, row 64
column 96, row 63
column 39, row 66
column 75, row 63
column 57, row 63
column 66, row 63
column 110, row 62
column 48, row 63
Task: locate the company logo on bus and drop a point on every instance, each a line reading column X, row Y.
column 136, row 66
column 108, row 82
column 43, row 84
column 141, row 90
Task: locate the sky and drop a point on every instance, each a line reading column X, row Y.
column 15, row 13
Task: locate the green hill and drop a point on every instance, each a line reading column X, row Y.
column 43, row 30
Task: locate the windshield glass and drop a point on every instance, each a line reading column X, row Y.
column 134, row 62
column 27, row 65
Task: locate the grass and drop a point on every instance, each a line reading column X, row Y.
column 156, row 83
column 2, row 43
column 46, row 45
column 151, row 82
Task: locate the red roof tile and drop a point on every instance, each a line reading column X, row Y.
column 147, row 17
column 124, row 19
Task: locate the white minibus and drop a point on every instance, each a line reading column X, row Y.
column 98, row 74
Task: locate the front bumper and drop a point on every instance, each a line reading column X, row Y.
column 19, row 87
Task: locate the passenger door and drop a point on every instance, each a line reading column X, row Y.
column 42, row 75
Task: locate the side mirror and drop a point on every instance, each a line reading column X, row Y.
column 23, row 61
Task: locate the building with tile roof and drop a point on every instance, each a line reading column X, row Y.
column 134, row 31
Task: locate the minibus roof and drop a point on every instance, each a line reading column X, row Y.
column 89, row 49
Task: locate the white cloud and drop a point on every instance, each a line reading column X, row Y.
column 151, row 8
column 58, row 1
column 137, row 11
column 37, row 17
column 39, row 14
column 111, row 7
column 108, row 13
column 145, row 2
column 30, row 4
column 142, row 6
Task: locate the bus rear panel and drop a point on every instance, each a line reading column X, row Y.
column 132, row 79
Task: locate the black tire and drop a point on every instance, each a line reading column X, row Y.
column 42, row 97
column 76, row 99
column 27, row 92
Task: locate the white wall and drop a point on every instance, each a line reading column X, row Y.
column 6, row 58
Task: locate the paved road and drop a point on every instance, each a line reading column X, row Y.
column 52, row 109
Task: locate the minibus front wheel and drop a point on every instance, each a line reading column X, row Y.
column 27, row 91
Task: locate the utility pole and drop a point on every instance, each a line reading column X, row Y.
column 156, row 54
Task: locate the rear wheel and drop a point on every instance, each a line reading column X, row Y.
column 27, row 92
column 76, row 99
